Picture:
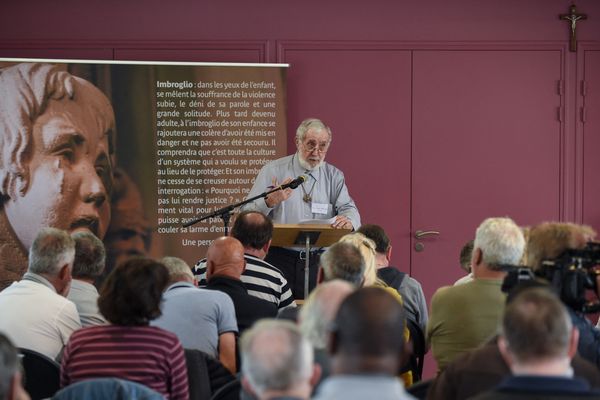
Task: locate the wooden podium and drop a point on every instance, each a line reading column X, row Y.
column 307, row 235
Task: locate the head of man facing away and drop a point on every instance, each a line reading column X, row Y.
column 225, row 257
column 499, row 242
column 537, row 336
column 254, row 230
column 277, row 361
column 343, row 261
column 366, row 335
column 52, row 255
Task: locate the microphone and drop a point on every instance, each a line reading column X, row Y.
column 295, row 183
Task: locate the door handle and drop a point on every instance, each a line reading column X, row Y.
column 421, row 234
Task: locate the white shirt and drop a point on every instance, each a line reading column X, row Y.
column 35, row 317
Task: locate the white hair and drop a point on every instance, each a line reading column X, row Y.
column 501, row 242
column 275, row 356
column 311, row 123
column 318, row 312
column 51, row 249
column 177, row 268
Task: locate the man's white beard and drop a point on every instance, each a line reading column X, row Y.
column 304, row 163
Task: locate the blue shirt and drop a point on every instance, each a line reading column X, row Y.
column 197, row 316
column 325, row 185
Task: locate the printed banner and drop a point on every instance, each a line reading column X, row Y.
column 131, row 151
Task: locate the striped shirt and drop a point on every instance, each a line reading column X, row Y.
column 262, row 280
column 143, row 354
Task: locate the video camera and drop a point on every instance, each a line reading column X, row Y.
column 571, row 275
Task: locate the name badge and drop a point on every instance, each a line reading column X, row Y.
column 319, row 208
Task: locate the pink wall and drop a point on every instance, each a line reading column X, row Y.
column 429, row 20
column 352, row 63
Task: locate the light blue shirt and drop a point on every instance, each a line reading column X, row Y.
column 85, row 296
column 325, row 185
column 359, row 387
column 197, row 316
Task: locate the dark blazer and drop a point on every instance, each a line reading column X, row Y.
column 248, row 308
column 483, row 369
column 540, row 387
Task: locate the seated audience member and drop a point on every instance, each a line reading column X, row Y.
column 11, row 385
column 277, row 361
column 34, row 312
column 538, row 341
column 466, row 254
column 129, row 348
column 316, row 317
column 366, row 248
column 342, row 261
column 484, row 368
column 88, row 266
column 549, row 240
column 263, row 280
column 464, row 317
column 202, row 319
column 366, row 355
column 409, row 288
column 224, row 266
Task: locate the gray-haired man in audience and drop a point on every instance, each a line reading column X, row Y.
column 316, row 317
column 90, row 258
column 11, row 387
column 538, row 340
column 202, row 319
column 342, row 261
column 366, row 347
column 277, row 361
column 35, row 313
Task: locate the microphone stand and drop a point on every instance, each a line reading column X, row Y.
column 225, row 212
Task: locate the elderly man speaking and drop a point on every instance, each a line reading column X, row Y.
column 322, row 195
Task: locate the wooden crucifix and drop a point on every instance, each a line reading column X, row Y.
column 573, row 17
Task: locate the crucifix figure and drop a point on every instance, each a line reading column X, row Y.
column 573, row 17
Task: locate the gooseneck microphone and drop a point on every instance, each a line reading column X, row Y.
column 295, row 183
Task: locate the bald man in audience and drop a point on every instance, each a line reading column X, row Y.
column 278, row 362
column 366, row 347
column 263, row 280
column 538, row 341
column 225, row 264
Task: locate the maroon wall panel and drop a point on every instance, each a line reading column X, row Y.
column 364, row 95
column 69, row 53
column 431, row 20
column 590, row 116
column 242, row 52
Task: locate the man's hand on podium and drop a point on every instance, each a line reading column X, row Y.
column 342, row 222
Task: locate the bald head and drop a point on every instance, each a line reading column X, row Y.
column 225, row 257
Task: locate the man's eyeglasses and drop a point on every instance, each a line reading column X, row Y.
column 312, row 146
